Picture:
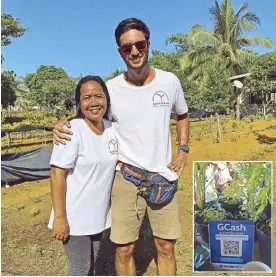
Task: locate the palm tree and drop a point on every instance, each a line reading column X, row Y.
column 225, row 41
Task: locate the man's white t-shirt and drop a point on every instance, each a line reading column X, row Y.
column 142, row 120
column 91, row 160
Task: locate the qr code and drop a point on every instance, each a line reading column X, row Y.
column 231, row 248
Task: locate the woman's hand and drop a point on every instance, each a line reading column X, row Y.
column 61, row 228
column 59, row 132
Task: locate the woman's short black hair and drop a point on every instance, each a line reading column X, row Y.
column 129, row 24
column 78, row 92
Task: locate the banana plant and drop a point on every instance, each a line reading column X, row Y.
column 200, row 183
column 256, row 182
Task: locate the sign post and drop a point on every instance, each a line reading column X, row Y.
column 231, row 243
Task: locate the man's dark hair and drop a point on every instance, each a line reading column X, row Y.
column 78, row 93
column 129, row 24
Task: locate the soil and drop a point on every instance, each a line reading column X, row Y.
column 265, row 228
column 29, row 249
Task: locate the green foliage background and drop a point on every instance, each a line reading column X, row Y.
column 203, row 59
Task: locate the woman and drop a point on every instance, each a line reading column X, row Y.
column 81, row 178
column 222, row 176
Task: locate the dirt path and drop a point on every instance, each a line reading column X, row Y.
column 27, row 245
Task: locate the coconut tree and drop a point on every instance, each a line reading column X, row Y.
column 226, row 40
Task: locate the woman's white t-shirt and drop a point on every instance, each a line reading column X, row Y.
column 91, row 160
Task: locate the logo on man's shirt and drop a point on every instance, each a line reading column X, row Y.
column 160, row 99
column 113, row 147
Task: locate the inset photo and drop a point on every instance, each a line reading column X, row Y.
column 232, row 216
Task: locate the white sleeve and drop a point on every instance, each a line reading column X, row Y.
column 110, row 116
column 179, row 104
column 109, row 88
column 65, row 156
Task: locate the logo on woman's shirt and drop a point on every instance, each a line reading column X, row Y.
column 113, row 147
column 160, row 99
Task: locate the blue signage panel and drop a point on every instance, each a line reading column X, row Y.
column 231, row 243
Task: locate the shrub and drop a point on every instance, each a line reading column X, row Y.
column 259, row 116
column 252, row 117
column 270, row 116
column 37, row 199
column 20, row 206
column 270, row 127
column 224, row 129
column 234, row 126
column 211, row 213
column 35, row 211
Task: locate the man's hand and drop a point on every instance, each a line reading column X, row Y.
column 59, row 131
column 178, row 162
column 61, row 228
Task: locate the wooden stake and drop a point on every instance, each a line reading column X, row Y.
column 218, row 129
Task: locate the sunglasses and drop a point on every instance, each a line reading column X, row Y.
column 127, row 48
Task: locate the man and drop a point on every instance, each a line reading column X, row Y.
column 142, row 100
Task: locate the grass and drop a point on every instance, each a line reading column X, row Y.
column 19, row 206
column 180, row 187
column 34, row 250
column 270, row 127
column 51, row 258
column 27, row 245
column 37, row 199
column 60, row 261
column 35, row 211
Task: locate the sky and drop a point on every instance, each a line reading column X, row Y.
column 78, row 35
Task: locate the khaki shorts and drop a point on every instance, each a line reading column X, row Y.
column 125, row 225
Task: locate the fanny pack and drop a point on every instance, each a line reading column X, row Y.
column 153, row 187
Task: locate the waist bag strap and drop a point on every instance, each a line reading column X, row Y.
column 144, row 179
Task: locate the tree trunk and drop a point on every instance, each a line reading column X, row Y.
column 264, row 101
column 218, row 129
column 238, row 112
column 264, row 110
column 211, row 123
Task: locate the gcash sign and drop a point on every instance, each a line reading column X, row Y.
column 228, row 227
column 231, row 243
